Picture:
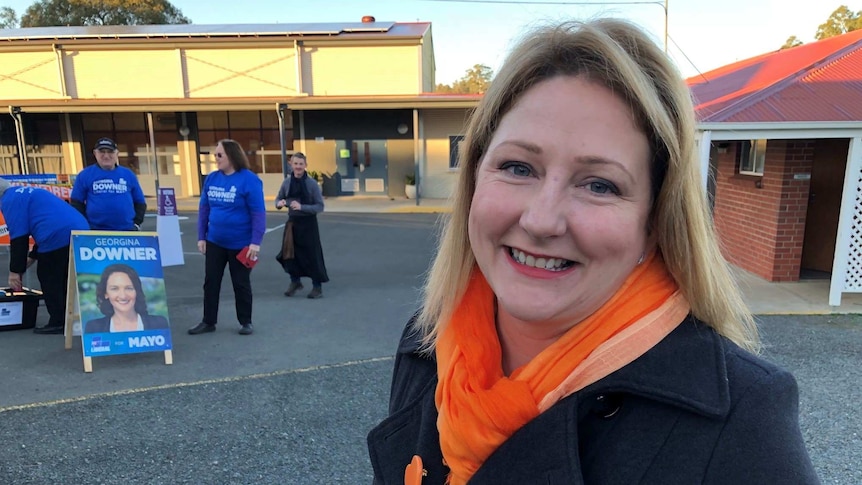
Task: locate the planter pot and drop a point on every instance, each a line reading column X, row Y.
column 410, row 191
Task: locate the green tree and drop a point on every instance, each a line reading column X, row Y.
column 841, row 21
column 475, row 81
column 791, row 41
column 8, row 18
column 47, row 13
column 443, row 88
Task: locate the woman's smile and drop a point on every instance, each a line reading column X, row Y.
column 548, row 263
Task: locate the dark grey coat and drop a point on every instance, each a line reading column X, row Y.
column 695, row 409
column 307, row 209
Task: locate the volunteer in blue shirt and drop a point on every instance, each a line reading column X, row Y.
column 109, row 195
column 30, row 211
column 231, row 217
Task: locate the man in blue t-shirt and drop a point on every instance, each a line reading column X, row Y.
column 31, row 211
column 108, row 195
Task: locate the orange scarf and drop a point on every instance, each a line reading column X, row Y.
column 480, row 408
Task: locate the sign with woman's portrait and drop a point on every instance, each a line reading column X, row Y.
column 121, row 293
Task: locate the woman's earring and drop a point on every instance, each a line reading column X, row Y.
column 641, row 259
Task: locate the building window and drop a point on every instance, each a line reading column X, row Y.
column 256, row 131
column 751, row 157
column 454, row 149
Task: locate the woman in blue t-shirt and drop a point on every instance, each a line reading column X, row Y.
column 231, row 218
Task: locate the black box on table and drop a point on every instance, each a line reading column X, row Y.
column 18, row 309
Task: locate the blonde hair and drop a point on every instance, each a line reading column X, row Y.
column 616, row 54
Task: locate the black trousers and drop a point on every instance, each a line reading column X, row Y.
column 215, row 260
column 52, row 269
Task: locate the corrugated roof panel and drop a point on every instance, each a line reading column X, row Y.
column 215, row 30
column 409, row 29
column 832, row 92
column 826, row 103
column 736, row 92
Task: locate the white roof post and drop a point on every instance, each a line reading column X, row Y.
column 704, row 145
column 843, row 242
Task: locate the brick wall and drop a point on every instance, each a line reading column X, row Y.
column 761, row 220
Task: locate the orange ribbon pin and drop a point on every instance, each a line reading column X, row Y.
column 414, row 472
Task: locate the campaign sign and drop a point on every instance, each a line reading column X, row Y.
column 35, row 178
column 63, row 191
column 168, row 227
column 167, row 201
column 4, row 233
column 121, row 293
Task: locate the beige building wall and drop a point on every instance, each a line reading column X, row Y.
column 438, row 180
column 29, row 75
column 360, row 70
column 271, row 184
column 135, row 74
column 399, row 154
column 73, row 154
column 190, row 183
column 194, row 72
column 429, row 67
column 320, row 155
column 240, row 72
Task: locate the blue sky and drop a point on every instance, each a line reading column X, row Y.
column 705, row 34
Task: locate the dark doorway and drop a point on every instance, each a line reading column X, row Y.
column 824, row 207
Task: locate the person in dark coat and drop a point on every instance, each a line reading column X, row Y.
column 579, row 324
column 301, row 254
column 49, row 220
column 121, row 298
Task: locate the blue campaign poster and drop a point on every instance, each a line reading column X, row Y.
column 121, row 293
column 38, row 178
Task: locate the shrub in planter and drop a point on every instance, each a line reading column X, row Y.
column 410, row 186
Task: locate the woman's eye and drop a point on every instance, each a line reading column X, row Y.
column 602, row 188
column 517, row 169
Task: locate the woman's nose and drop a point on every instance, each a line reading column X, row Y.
column 545, row 212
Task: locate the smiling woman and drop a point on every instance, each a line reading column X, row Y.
column 579, row 324
column 121, row 299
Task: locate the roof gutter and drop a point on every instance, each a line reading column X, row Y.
column 222, row 104
column 782, row 130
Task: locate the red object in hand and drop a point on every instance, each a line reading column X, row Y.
column 242, row 257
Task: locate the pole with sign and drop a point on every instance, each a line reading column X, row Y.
column 168, row 228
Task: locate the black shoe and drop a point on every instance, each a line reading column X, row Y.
column 315, row 293
column 201, row 328
column 49, row 330
column 246, row 329
column 293, row 288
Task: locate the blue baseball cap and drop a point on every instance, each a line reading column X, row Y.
column 106, row 143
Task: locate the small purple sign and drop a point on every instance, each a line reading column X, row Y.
column 167, row 201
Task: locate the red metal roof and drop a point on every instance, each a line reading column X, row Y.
column 819, row 81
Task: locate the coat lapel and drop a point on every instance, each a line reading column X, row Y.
column 543, row 451
column 687, row 369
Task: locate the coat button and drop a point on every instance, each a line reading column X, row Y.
column 607, row 405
